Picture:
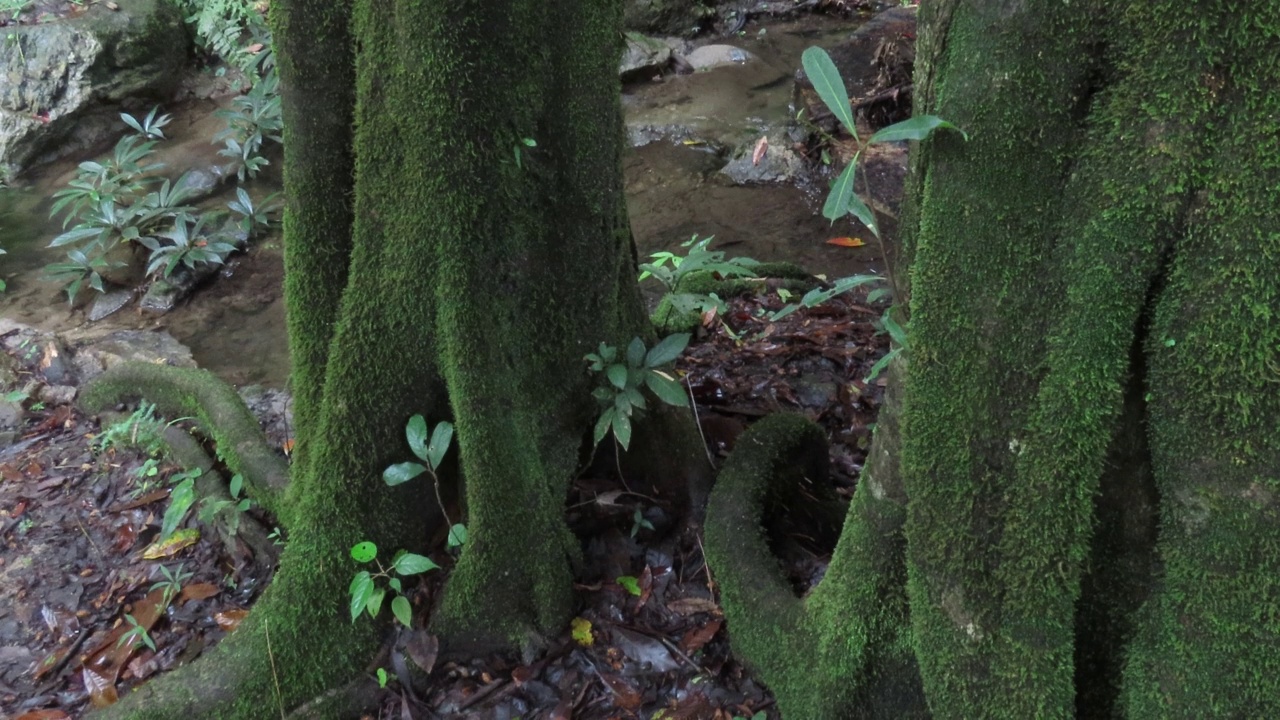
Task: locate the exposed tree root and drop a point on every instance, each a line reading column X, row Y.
column 842, row 651
column 215, row 407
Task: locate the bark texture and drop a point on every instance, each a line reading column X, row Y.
column 1094, row 343
column 457, row 240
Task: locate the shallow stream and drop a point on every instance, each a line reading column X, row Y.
column 235, row 325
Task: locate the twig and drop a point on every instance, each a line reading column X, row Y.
column 274, row 676
column 694, row 404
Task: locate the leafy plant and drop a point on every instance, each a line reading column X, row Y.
column 188, row 246
column 842, row 200
column 136, row 635
column 252, row 119
column 366, row 593
column 431, row 449
column 181, row 498
column 151, row 126
column 671, row 269
column 229, row 511
column 817, row 296
column 638, row 521
column 253, row 217
column 171, row 583
column 623, row 376
column 143, row 430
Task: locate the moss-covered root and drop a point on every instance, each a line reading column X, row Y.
column 216, row 407
column 295, row 645
column 770, row 628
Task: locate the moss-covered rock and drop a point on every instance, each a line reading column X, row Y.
column 64, row 81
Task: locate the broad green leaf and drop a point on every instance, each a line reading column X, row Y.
column 412, row 564
column 361, row 591
column 180, row 500
column 837, row 204
column 401, row 472
column 416, row 432
column 830, row 86
column 617, row 375
column 440, row 439
column 237, row 482
column 400, row 608
column 395, row 584
column 668, row 390
column 916, row 128
column 622, row 430
column 630, row 584
column 364, row 551
column 634, row 397
column 635, row 352
column 896, row 331
column 667, row 350
column 785, row 311
column 881, row 364
column 374, row 604
column 864, row 214
column 457, row 535
column 602, row 425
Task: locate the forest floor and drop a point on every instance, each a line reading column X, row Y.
column 80, row 573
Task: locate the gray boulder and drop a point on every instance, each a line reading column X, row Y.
column 63, row 83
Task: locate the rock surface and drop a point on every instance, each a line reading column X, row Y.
column 63, row 83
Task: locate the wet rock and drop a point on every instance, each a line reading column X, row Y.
column 62, row 83
column 779, row 164
column 108, row 303
column 274, row 410
column 667, row 17
column 711, row 56
column 8, row 371
column 96, row 356
column 12, row 416
column 55, row 364
column 56, row 394
column 643, row 58
column 814, row 392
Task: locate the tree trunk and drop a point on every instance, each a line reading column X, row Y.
column 455, row 255
column 1093, row 335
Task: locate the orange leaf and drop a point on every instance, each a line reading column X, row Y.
column 198, row 591
column 230, row 619
column 762, row 147
column 43, row 715
column 846, row 242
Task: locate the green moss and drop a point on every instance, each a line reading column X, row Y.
column 216, row 407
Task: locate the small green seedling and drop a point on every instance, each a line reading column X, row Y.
column 638, row 521
column 383, row 677
column 622, row 377
column 671, row 269
column 431, row 449
column 181, row 498
column 172, row 582
column 367, row 595
column 136, row 635
column 228, row 511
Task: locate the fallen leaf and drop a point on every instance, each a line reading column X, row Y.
column 581, row 630
column 695, row 639
column 254, row 48
column 422, row 647
column 176, row 543
column 230, row 619
column 846, row 242
column 762, row 147
column 287, row 447
column 689, row 606
column 198, row 591
column 608, row 499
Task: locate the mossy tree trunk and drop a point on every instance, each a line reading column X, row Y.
column 1088, row 454
column 456, row 241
